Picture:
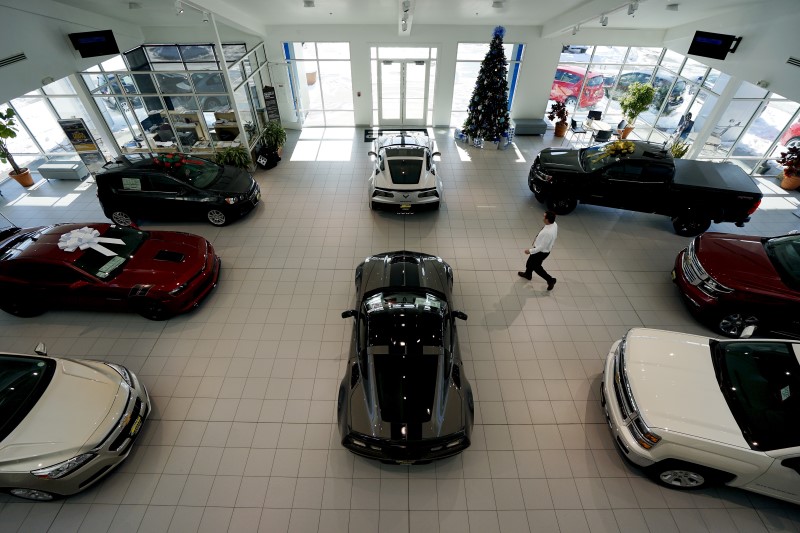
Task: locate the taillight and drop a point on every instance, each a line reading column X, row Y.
column 754, row 207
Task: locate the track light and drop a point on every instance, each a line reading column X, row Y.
column 205, row 16
column 603, row 20
column 574, row 30
column 632, row 7
column 497, row 4
column 308, row 3
column 406, row 5
column 405, row 25
column 178, row 7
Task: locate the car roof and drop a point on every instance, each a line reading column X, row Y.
column 403, row 140
column 644, row 150
column 45, row 242
column 579, row 71
column 146, row 161
column 404, row 270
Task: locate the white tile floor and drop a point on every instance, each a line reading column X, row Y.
column 243, row 438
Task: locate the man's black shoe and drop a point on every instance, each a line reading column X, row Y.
column 522, row 275
column 551, row 284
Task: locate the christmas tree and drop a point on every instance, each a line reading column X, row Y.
column 488, row 107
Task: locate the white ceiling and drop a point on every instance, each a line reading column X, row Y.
column 553, row 15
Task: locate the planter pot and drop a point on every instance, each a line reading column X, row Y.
column 790, row 183
column 561, row 129
column 625, row 132
column 24, row 178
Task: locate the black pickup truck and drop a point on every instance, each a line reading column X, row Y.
column 649, row 180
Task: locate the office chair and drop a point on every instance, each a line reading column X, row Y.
column 600, row 137
column 574, row 128
column 595, row 115
column 618, row 131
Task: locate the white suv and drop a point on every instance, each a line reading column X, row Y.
column 695, row 411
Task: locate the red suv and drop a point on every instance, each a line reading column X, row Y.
column 567, row 85
column 733, row 281
column 791, row 137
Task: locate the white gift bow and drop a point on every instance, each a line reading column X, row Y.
column 84, row 238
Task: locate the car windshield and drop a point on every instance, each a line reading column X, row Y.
column 592, row 158
column 23, row 380
column 106, row 267
column 761, row 384
column 595, row 81
column 784, row 253
column 195, row 171
column 404, row 337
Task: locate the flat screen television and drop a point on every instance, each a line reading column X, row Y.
column 713, row 45
column 94, row 43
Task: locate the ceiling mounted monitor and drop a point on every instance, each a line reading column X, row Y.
column 94, row 43
column 713, row 45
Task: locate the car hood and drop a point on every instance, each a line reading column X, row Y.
column 168, row 257
column 561, row 159
column 739, row 262
column 83, row 398
column 233, row 180
column 369, row 415
column 672, row 378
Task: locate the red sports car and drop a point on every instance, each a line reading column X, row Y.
column 733, row 281
column 103, row 266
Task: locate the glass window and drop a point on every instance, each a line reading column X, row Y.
column 115, row 63
column 233, row 52
column 158, row 54
column 104, row 267
column 765, row 128
column 23, row 380
column 62, row 86
column 749, row 90
column 643, row 56
column 197, row 52
column 333, row 50
column 41, row 122
column 173, row 83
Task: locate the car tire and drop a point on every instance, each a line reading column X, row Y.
column 731, row 324
column 34, row 495
column 571, row 101
column 437, row 205
column 680, row 475
column 562, row 205
column 121, row 218
column 211, row 104
column 152, row 310
column 217, row 217
column 373, row 205
column 793, row 142
column 23, row 307
column 690, row 224
column 541, row 198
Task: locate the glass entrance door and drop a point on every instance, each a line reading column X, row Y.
column 403, row 90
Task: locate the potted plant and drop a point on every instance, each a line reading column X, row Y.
column 679, row 149
column 638, row 98
column 272, row 138
column 559, row 110
column 8, row 130
column 235, row 156
column 790, row 159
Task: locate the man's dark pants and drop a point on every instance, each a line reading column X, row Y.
column 534, row 264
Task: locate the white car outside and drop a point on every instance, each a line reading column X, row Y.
column 695, row 411
column 64, row 424
column 404, row 175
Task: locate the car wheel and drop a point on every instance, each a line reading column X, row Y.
column 33, row 494
column 794, row 142
column 373, row 205
column 539, row 196
column 152, row 310
column 732, row 324
column 21, row 306
column 562, row 206
column 212, row 104
column 689, row 224
column 571, row 101
column 437, row 205
column 679, row 475
column 122, row 218
column 217, row 217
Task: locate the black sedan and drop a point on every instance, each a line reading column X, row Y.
column 177, row 186
column 404, row 398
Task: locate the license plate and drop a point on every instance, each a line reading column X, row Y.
column 405, row 462
column 673, row 275
column 136, row 426
column 405, row 206
column 258, row 196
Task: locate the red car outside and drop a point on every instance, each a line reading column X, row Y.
column 567, row 86
column 104, row 266
column 791, row 137
column 733, row 281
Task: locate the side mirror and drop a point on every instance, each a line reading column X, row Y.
column 40, row 349
column 377, row 171
column 436, row 154
column 372, row 154
column 349, row 313
column 747, row 332
column 459, row 314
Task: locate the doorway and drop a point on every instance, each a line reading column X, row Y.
column 402, row 86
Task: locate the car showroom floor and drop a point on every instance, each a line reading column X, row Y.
column 242, row 437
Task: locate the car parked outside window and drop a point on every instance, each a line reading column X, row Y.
column 566, row 86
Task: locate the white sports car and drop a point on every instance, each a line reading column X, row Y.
column 405, row 173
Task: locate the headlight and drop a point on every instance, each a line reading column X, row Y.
column 122, row 371
column 62, row 469
column 178, row 289
column 644, row 437
column 233, row 199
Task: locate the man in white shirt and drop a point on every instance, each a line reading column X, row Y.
column 542, row 246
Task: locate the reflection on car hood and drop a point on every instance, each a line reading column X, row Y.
column 739, row 262
column 560, row 159
column 233, row 180
column 166, row 255
column 672, row 378
column 80, row 399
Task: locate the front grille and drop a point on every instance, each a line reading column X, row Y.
column 124, row 435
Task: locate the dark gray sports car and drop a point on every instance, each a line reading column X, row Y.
column 404, row 398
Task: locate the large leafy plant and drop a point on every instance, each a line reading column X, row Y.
column 8, row 130
column 637, row 98
column 274, row 136
column 790, row 159
column 558, row 110
column 235, row 156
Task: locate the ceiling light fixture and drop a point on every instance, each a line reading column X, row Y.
column 405, row 25
column 497, row 4
column 406, row 5
column 603, row 20
column 178, row 7
column 308, row 3
column 205, row 16
column 672, row 7
column 632, row 7
column 575, row 30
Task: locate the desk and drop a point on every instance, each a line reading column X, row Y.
column 597, row 125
